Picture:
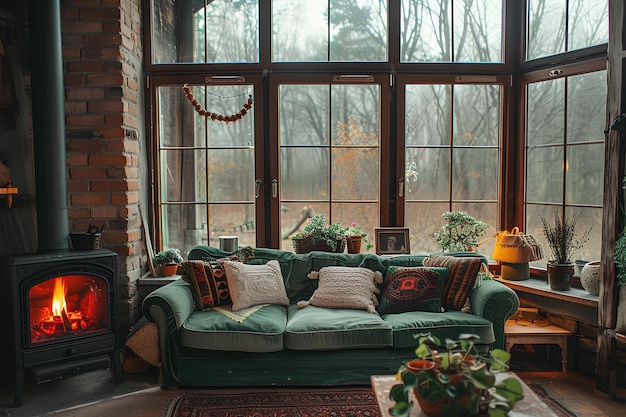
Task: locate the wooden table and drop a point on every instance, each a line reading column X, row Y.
column 530, row 406
column 516, row 334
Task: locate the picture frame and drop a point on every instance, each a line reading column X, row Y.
column 392, row 240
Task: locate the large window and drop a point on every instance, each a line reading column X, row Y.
column 383, row 113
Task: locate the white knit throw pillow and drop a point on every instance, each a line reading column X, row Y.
column 345, row 287
column 251, row 285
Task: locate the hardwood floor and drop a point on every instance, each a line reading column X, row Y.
column 95, row 394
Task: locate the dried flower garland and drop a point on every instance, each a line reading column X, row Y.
column 215, row 116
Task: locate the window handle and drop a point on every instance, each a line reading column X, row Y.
column 401, row 187
column 274, row 188
column 257, row 187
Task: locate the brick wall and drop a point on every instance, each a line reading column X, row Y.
column 102, row 55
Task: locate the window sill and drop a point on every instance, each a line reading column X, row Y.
column 542, row 288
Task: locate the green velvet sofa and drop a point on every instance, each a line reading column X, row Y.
column 287, row 345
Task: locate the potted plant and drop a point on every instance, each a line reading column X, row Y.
column 456, row 382
column 168, row 260
column 355, row 236
column 564, row 241
column 462, row 232
column 319, row 235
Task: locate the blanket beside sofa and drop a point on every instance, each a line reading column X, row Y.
column 277, row 342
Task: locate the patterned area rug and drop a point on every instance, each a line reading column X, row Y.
column 556, row 407
column 357, row 402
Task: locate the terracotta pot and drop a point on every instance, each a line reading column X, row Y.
column 169, row 270
column 436, row 408
column 560, row 276
column 417, row 365
column 353, row 243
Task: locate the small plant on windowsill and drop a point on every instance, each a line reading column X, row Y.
column 462, row 232
column 356, row 230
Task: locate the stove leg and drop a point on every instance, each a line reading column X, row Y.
column 117, row 367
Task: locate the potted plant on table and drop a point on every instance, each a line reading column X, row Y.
column 563, row 241
column 456, row 382
column 168, row 260
column 321, row 236
column 355, row 236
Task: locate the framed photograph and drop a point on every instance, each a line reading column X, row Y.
column 392, row 240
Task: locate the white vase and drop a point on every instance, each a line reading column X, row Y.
column 590, row 277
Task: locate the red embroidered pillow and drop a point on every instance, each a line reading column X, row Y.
column 461, row 280
column 208, row 283
column 412, row 289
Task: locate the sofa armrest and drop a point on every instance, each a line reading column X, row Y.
column 169, row 307
column 495, row 302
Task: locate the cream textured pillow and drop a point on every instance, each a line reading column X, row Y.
column 250, row 285
column 345, row 287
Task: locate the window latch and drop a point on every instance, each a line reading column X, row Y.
column 274, row 188
column 257, row 187
column 401, row 187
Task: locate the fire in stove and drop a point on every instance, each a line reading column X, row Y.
column 68, row 305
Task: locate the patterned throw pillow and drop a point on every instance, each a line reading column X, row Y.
column 461, row 280
column 251, row 285
column 412, row 289
column 208, row 283
column 345, row 287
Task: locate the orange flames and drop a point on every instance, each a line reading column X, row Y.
column 58, row 297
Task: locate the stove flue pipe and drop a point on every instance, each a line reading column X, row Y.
column 46, row 66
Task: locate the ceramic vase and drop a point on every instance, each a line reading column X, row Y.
column 590, row 277
column 560, row 276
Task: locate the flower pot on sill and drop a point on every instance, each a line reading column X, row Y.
column 560, row 276
column 169, row 270
column 353, row 243
column 590, row 277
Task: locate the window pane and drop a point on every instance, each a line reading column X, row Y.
column 364, row 215
column 478, row 31
column 355, row 174
column 293, row 218
column 231, row 175
column 233, row 220
column 475, row 174
column 545, row 112
column 427, row 116
column 422, row 219
column 588, row 23
column 185, row 185
column 486, row 213
column 304, row 174
column 545, row 28
column 544, row 175
column 427, row 174
column 299, row 30
column 352, row 107
column 585, row 174
column 427, row 31
column 302, row 31
column 586, row 107
column 304, row 114
column 476, row 115
column 216, row 31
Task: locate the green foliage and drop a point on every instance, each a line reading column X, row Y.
column 619, row 258
column 563, row 238
column 168, row 256
column 478, row 383
column 462, row 232
column 319, row 231
column 357, row 230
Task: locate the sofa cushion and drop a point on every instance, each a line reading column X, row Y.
column 345, row 287
column 208, row 283
column 251, row 285
column 262, row 331
column 450, row 324
column 461, row 281
column 320, row 328
column 412, row 289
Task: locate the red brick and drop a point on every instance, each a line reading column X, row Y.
column 86, row 66
column 114, row 119
column 109, row 186
column 113, row 160
column 82, row 3
column 88, row 173
column 78, row 213
column 71, row 53
column 73, row 80
column 75, row 107
column 73, row 160
column 89, row 199
column 109, row 132
column 105, row 79
column 101, row 53
column 111, row 26
column 84, row 93
column 103, row 212
column 105, row 107
column 85, row 120
column 130, row 197
column 74, row 186
column 68, row 12
column 100, row 13
column 84, row 146
column 78, row 40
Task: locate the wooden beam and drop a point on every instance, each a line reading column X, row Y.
column 612, row 218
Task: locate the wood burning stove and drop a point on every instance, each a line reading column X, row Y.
column 63, row 312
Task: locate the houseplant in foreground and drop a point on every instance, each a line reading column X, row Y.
column 563, row 241
column 321, row 236
column 168, row 260
column 457, row 382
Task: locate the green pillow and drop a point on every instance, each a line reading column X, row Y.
column 412, row 289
